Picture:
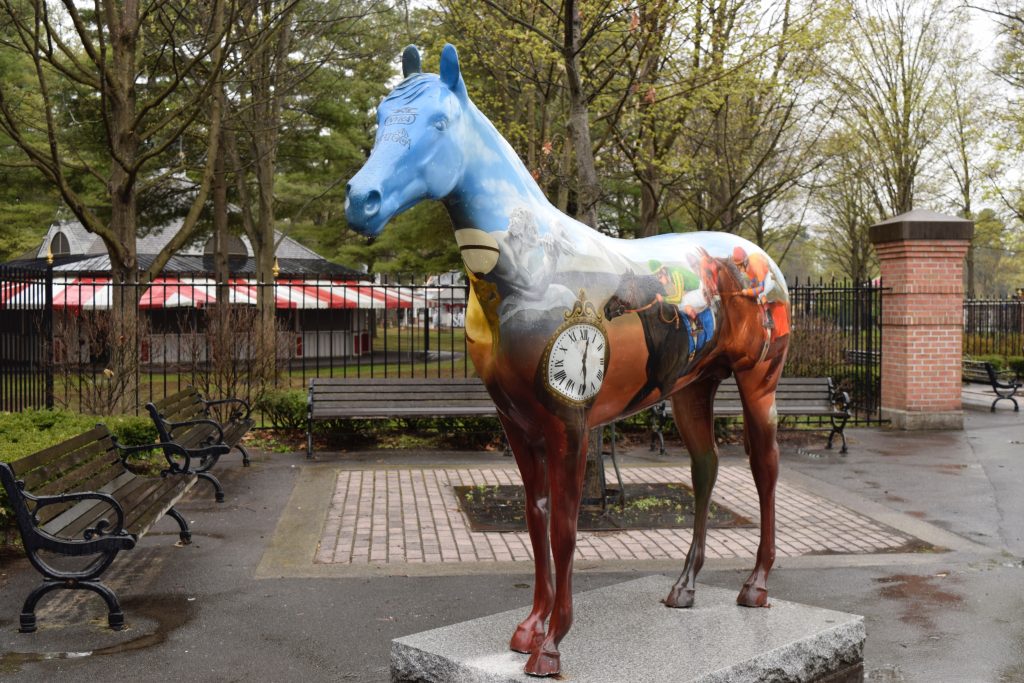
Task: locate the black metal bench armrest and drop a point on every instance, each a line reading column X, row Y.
column 841, row 400
column 189, row 454
column 103, row 528
column 171, row 426
column 170, row 449
column 235, row 414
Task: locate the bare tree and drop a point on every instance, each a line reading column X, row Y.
column 890, row 80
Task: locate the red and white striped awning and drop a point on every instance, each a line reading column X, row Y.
column 97, row 293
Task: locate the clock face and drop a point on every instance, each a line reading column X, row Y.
column 576, row 363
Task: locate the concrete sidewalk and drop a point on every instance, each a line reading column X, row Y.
column 311, row 568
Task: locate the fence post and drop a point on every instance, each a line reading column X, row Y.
column 48, row 358
column 921, row 254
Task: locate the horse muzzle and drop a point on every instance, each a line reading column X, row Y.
column 613, row 309
column 362, row 210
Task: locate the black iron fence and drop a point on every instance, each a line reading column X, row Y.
column 837, row 333
column 25, row 379
column 994, row 327
column 95, row 346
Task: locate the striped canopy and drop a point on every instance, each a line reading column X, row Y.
column 96, row 293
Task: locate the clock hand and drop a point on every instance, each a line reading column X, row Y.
column 586, row 350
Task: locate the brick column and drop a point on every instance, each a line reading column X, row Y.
column 922, row 255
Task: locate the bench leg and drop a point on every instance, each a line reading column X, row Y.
column 245, row 454
column 1016, row 408
column 115, row 616
column 218, row 491
column 185, row 534
column 837, row 429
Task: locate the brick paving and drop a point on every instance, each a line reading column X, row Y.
column 404, row 516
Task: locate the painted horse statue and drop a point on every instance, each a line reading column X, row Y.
column 570, row 329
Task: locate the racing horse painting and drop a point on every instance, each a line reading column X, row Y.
column 557, row 359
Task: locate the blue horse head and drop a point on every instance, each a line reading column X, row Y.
column 413, row 156
column 433, row 143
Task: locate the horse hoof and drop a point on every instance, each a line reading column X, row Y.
column 752, row 596
column 679, row 597
column 526, row 640
column 543, row 663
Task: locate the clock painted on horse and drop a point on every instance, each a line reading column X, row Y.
column 576, row 359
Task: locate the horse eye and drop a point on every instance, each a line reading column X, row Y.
column 441, row 124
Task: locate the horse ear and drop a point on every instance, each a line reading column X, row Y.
column 451, row 75
column 410, row 61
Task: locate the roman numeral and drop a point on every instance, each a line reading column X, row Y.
column 560, row 376
column 582, row 389
column 560, row 363
column 600, row 375
column 572, row 335
column 585, row 334
column 600, row 347
column 570, row 384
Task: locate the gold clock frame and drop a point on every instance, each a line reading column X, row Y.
column 583, row 312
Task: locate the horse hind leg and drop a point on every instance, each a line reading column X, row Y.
column 757, row 391
column 692, row 411
column 530, row 632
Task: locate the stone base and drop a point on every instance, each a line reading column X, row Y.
column 917, row 421
column 623, row 633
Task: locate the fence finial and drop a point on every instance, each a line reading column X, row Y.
column 49, row 254
column 276, row 269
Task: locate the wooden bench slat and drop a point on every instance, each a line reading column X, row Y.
column 30, row 462
column 74, row 511
column 71, row 467
column 385, row 398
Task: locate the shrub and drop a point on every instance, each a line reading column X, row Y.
column 284, row 409
column 132, row 430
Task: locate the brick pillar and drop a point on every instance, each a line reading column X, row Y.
column 922, row 255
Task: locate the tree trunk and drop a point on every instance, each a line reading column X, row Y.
column 121, row 389
column 587, row 188
column 220, row 227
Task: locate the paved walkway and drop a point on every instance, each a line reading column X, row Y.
column 411, row 515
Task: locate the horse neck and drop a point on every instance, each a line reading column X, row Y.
column 494, row 180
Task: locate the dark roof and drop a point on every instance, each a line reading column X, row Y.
column 192, row 265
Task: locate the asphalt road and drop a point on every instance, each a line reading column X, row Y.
column 204, row 612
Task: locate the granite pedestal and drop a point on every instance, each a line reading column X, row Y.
column 623, row 633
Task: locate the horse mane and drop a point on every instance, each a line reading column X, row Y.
column 410, row 88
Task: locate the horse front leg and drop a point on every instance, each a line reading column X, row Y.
column 567, row 453
column 757, row 391
column 530, row 459
column 692, row 411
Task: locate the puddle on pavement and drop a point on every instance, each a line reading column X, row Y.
column 169, row 614
column 920, row 595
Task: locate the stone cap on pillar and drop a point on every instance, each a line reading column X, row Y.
column 921, row 224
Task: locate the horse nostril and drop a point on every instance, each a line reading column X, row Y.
column 372, row 204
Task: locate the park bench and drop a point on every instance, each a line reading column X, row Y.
column 795, row 396
column 983, row 372
column 78, row 499
column 333, row 398
column 862, row 356
column 184, row 417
